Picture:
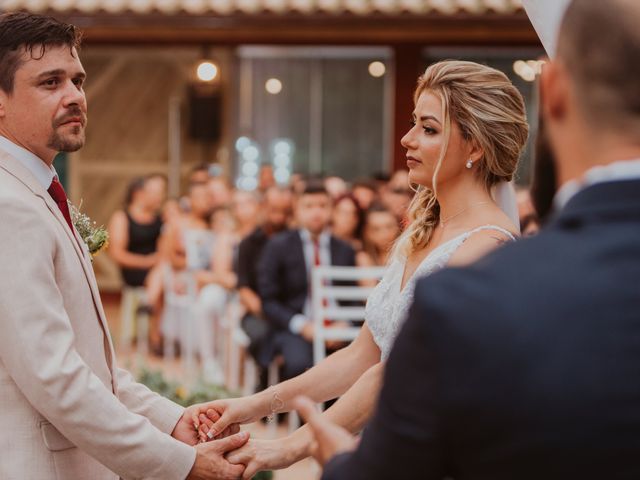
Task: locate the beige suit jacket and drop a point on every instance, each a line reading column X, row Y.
column 67, row 411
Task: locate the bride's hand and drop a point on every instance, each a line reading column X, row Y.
column 259, row 455
column 231, row 412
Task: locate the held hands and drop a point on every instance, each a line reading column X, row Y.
column 259, row 455
column 221, row 418
column 330, row 439
column 210, row 463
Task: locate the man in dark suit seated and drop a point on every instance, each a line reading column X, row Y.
column 527, row 364
column 284, row 278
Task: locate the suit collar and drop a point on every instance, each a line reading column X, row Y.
column 42, row 172
column 601, row 202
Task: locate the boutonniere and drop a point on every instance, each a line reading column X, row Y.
column 96, row 238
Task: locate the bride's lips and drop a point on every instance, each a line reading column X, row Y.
column 413, row 162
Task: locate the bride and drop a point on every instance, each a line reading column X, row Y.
column 467, row 133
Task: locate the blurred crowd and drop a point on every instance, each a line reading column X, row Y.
column 208, row 248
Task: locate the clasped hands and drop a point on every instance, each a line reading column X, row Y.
column 224, row 453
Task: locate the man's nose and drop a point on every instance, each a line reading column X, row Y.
column 74, row 96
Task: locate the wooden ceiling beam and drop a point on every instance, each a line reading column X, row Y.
column 489, row 29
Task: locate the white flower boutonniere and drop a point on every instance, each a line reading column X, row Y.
column 95, row 237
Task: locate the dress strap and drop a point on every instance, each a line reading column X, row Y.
column 492, row 227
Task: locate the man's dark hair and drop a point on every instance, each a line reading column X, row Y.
column 20, row 32
column 315, row 188
column 600, row 44
column 365, row 183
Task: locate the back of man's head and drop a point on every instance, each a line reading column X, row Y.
column 599, row 42
column 20, row 32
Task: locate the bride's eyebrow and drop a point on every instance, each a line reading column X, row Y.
column 429, row 117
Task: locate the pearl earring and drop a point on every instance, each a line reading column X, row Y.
column 469, row 164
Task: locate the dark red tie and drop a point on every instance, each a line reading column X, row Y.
column 57, row 193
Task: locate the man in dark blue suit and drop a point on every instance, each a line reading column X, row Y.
column 284, row 279
column 527, row 364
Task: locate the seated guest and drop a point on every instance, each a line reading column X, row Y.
column 133, row 238
column 277, row 213
column 221, row 192
column 284, row 278
column 246, row 212
column 397, row 196
column 347, row 220
column 134, row 231
column 202, row 270
column 379, row 234
column 335, row 186
column 523, row 365
column 365, row 192
column 189, row 239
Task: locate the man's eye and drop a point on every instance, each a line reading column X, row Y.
column 51, row 82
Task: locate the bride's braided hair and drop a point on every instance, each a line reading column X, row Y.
column 490, row 111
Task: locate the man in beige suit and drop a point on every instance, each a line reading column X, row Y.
column 66, row 410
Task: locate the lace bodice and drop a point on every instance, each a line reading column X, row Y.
column 387, row 306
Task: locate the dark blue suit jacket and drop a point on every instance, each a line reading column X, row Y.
column 282, row 275
column 524, row 366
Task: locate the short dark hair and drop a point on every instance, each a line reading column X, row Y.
column 315, row 188
column 20, row 32
column 600, row 44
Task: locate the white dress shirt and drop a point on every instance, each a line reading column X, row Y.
column 324, row 243
column 38, row 168
column 618, row 171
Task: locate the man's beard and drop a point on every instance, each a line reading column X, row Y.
column 71, row 142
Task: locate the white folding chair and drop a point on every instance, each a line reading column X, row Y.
column 326, row 308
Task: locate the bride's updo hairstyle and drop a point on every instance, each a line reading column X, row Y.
column 489, row 111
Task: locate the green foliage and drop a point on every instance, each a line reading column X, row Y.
column 178, row 393
column 95, row 237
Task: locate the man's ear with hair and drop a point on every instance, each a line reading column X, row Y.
column 554, row 91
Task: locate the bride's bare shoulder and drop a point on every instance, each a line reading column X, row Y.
column 481, row 242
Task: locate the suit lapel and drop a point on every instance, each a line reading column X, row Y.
column 14, row 168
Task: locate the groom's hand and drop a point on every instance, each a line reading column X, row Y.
column 210, row 463
column 330, row 439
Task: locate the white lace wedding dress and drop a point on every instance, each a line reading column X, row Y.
column 387, row 306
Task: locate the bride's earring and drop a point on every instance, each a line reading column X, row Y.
column 469, row 164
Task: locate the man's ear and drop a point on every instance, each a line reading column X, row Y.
column 554, row 91
column 3, row 99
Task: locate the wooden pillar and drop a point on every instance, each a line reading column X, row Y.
column 409, row 65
